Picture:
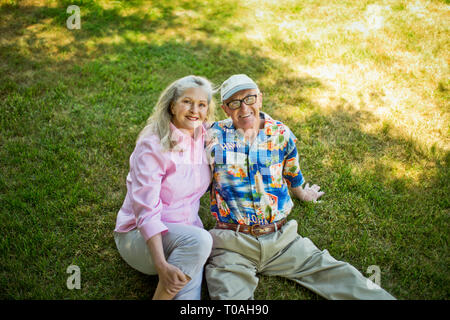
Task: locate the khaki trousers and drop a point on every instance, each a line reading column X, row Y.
column 237, row 258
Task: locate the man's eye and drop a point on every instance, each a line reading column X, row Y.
column 249, row 99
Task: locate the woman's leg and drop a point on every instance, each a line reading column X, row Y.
column 134, row 251
column 192, row 290
column 186, row 247
column 161, row 292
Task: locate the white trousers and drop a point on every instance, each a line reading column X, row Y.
column 186, row 247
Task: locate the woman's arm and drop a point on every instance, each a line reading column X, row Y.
column 148, row 168
column 171, row 278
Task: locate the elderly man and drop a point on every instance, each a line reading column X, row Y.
column 254, row 163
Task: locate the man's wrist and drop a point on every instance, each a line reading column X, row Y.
column 299, row 193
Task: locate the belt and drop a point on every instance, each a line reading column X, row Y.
column 255, row 230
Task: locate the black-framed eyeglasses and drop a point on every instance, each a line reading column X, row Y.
column 248, row 100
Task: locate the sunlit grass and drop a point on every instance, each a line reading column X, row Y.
column 390, row 59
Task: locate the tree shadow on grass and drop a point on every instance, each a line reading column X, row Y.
column 35, row 38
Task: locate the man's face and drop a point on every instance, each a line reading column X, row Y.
column 247, row 116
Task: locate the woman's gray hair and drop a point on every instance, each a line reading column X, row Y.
column 159, row 122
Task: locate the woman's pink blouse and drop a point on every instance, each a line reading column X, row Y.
column 164, row 187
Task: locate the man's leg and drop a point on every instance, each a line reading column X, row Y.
column 231, row 270
column 302, row 262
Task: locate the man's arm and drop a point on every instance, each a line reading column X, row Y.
column 292, row 173
column 308, row 193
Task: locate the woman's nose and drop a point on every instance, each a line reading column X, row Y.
column 194, row 107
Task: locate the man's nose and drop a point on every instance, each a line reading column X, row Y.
column 244, row 107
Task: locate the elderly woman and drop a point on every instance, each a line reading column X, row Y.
column 158, row 230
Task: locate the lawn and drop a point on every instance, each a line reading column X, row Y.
column 364, row 85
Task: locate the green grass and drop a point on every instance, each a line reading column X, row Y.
column 369, row 106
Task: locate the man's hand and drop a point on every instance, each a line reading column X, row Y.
column 310, row 194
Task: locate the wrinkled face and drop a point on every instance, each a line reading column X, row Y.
column 190, row 110
column 247, row 116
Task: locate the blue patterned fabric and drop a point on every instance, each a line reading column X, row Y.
column 251, row 180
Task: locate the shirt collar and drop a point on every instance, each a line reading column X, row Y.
column 268, row 124
column 183, row 138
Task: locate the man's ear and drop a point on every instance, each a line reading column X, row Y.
column 224, row 109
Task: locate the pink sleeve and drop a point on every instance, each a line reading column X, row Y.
column 148, row 168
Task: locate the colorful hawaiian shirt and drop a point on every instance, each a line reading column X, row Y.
column 251, row 179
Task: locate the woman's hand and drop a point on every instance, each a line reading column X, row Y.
column 172, row 278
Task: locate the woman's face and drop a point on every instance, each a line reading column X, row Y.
column 189, row 110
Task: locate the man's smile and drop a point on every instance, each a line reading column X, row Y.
column 246, row 116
